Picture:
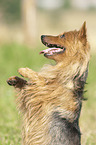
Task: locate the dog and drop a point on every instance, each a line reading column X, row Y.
column 51, row 100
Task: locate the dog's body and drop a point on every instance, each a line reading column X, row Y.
column 51, row 101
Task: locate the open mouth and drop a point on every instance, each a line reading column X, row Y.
column 52, row 49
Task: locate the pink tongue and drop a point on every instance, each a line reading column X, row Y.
column 47, row 50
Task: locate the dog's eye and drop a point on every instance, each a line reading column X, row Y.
column 62, row 36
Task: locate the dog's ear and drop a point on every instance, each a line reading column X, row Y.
column 83, row 32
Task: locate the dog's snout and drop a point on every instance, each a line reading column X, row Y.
column 42, row 36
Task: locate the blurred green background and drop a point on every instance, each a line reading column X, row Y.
column 21, row 25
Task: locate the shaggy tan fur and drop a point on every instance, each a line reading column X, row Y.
column 51, row 89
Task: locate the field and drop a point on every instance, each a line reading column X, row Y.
column 14, row 56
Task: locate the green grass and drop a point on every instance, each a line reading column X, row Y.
column 14, row 56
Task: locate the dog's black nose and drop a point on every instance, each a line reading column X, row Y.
column 42, row 36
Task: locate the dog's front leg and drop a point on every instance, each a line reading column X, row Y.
column 30, row 74
column 17, row 82
column 26, row 72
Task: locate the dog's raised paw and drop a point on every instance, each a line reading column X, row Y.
column 12, row 81
column 16, row 82
column 25, row 72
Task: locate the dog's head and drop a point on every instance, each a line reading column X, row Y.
column 65, row 45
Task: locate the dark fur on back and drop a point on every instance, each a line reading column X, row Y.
column 79, row 84
column 64, row 132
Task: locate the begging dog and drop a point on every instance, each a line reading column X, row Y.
column 50, row 101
